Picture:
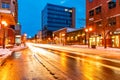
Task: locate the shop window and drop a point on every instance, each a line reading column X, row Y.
column 98, row 10
column 76, row 38
column 91, row 13
column 68, row 38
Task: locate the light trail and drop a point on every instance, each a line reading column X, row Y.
column 116, row 69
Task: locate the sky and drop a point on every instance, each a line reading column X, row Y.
column 29, row 13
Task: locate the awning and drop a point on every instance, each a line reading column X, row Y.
column 8, row 17
column 117, row 31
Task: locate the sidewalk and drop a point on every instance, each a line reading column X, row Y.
column 109, row 53
column 98, row 48
column 113, row 53
column 4, row 53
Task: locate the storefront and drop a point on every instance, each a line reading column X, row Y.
column 116, row 39
column 7, row 17
column 96, row 40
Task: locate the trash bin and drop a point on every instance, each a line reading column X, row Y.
column 93, row 46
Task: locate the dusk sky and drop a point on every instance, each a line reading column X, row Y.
column 29, row 13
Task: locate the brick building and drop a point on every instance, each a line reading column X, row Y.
column 103, row 16
column 9, row 14
column 60, row 36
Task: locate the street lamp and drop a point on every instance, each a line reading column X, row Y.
column 78, row 38
column 63, row 38
column 88, row 30
column 4, row 24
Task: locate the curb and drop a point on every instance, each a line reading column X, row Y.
column 4, row 57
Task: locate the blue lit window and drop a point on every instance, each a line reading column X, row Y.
column 5, row 5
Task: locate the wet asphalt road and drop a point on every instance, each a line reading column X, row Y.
column 23, row 66
column 77, row 67
column 48, row 64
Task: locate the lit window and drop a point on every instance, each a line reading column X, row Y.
column 71, row 38
column 5, row 5
column 68, row 38
column 66, row 9
column 76, row 38
column 70, row 10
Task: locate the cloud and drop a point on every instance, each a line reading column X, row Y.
column 63, row 1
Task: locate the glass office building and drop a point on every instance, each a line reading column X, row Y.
column 55, row 17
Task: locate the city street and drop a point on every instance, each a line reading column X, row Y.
column 39, row 62
column 60, row 40
column 23, row 66
column 77, row 66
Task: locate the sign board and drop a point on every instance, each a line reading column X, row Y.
column 5, row 11
column 18, row 39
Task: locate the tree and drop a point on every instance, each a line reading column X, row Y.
column 106, row 25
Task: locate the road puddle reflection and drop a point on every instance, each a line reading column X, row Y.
column 16, row 55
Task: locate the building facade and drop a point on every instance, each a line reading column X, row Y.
column 103, row 16
column 76, row 37
column 60, row 36
column 55, row 17
column 9, row 14
column 39, row 34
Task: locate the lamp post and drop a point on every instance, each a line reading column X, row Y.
column 63, row 39
column 4, row 24
column 88, row 30
column 78, row 38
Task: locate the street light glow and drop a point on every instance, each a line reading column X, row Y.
column 86, row 30
column 4, row 23
column 90, row 29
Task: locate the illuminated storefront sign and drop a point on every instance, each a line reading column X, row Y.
column 5, row 11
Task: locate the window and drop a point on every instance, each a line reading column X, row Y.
column 70, row 11
column 5, row 5
column 112, row 4
column 91, row 13
column 98, row 24
column 112, row 21
column 90, row 0
column 98, row 10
